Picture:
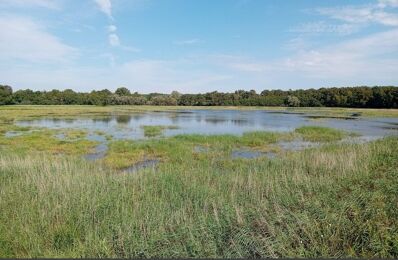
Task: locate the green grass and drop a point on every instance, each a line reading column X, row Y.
column 44, row 140
column 155, row 130
column 320, row 134
column 336, row 201
column 180, row 149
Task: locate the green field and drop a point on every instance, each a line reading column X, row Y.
column 336, row 200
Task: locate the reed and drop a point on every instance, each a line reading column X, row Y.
column 338, row 200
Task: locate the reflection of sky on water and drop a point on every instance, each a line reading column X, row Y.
column 213, row 122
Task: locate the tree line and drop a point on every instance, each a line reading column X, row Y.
column 358, row 97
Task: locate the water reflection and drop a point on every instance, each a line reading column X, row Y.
column 123, row 119
column 102, row 119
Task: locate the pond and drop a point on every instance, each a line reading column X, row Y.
column 213, row 122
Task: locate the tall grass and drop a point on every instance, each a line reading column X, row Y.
column 320, row 134
column 339, row 200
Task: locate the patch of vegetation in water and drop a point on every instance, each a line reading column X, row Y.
column 122, row 154
column 45, row 140
column 320, row 134
column 72, row 134
column 9, row 127
column 184, row 148
column 315, row 117
column 156, row 130
column 257, row 139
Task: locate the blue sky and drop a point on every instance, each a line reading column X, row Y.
column 197, row 45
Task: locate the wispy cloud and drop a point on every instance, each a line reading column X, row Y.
column 111, row 28
column 25, row 39
column 371, row 13
column 361, row 59
column 50, row 4
column 114, row 40
column 187, row 42
column 297, row 43
column 388, row 3
column 324, row 27
column 350, row 58
column 146, row 75
column 106, row 7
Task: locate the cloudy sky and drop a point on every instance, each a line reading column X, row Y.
column 197, row 45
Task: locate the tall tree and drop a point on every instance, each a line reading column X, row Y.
column 5, row 95
column 122, row 92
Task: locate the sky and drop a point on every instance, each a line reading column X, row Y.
column 194, row 46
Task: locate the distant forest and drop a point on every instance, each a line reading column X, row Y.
column 359, row 97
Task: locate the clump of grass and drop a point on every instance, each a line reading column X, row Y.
column 155, row 130
column 122, row 154
column 74, row 134
column 6, row 127
column 320, row 134
column 261, row 138
column 44, row 141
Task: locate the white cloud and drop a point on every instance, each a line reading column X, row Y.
column 241, row 63
column 375, row 13
column 24, row 39
column 388, row 3
column 187, row 42
column 105, row 6
column 297, row 43
column 367, row 59
column 112, row 28
column 323, row 27
column 50, row 4
column 114, row 40
column 139, row 75
column 363, row 61
column 130, row 48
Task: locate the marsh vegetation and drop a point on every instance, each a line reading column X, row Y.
column 310, row 190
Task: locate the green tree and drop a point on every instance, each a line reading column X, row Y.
column 175, row 94
column 292, row 101
column 122, row 92
column 5, row 95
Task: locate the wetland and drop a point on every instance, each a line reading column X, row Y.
column 204, row 182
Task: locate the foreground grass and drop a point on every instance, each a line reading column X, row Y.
column 339, row 200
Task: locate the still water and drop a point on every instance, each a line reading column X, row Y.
column 212, row 122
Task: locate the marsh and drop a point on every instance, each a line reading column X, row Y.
column 212, row 122
column 166, row 181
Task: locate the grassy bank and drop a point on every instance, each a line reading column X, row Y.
column 338, row 200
